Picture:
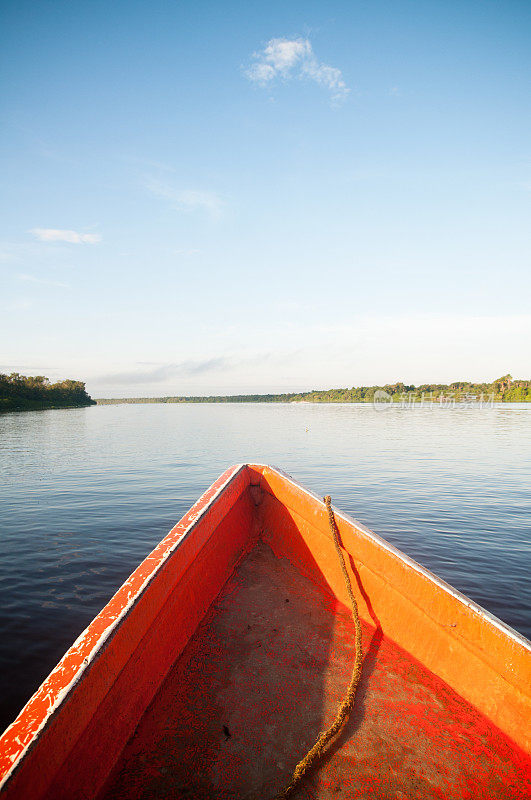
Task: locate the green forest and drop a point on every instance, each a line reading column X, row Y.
column 504, row 390
column 29, row 393
column 21, row 392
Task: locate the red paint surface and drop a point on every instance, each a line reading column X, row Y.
column 68, row 737
column 262, row 677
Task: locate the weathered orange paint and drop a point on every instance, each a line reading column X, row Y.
column 478, row 656
column 69, row 736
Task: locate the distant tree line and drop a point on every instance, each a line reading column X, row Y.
column 22, row 392
column 504, row 390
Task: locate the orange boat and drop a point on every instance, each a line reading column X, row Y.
column 212, row 670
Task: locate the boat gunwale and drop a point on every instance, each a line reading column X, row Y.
column 193, row 516
column 390, row 548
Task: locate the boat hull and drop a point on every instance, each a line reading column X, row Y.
column 74, row 736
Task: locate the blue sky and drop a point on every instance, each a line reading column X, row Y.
column 235, row 197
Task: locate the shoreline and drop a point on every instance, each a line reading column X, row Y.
column 43, row 406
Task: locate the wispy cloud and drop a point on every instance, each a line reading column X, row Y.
column 37, row 369
column 191, row 251
column 187, row 199
column 21, row 304
column 163, row 372
column 58, row 235
column 41, row 281
column 294, row 58
column 147, row 163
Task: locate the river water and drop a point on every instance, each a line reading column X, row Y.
column 86, row 493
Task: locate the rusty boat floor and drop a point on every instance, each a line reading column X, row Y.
column 264, row 674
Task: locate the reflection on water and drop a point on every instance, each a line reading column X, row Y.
column 86, row 493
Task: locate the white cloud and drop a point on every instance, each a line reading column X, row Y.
column 366, row 350
column 33, row 279
column 294, row 58
column 159, row 373
column 22, row 304
column 72, row 237
column 188, row 199
column 193, row 199
column 191, row 251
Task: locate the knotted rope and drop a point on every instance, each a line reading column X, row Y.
column 315, row 752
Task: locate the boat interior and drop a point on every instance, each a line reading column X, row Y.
column 265, row 672
column 239, row 650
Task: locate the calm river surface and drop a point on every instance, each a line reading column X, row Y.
column 86, row 493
